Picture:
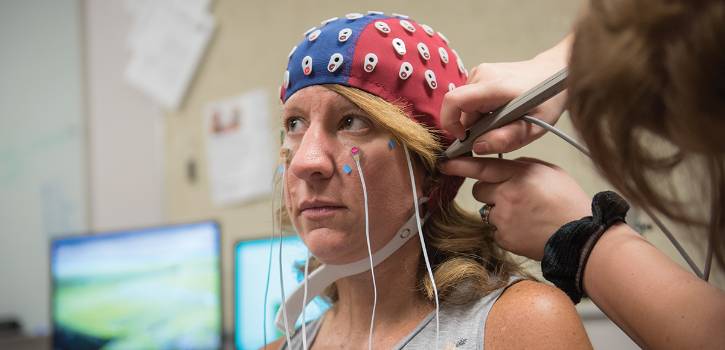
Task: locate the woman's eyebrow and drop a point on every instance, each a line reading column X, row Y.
column 351, row 110
column 293, row 110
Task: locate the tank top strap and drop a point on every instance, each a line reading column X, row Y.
column 313, row 327
column 461, row 326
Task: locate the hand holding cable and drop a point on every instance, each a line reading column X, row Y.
column 492, row 85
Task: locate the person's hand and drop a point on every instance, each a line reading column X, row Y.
column 532, row 199
column 492, row 85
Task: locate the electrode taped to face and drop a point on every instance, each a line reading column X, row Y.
column 316, row 282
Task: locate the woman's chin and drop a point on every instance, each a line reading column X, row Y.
column 335, row 247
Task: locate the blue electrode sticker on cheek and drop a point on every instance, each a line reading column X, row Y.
column 347, row 169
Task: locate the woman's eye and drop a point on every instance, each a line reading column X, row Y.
column 294, row 125
column 354, row 123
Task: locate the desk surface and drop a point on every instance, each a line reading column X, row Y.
column 25, row 343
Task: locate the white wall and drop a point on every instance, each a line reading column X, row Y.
column 79, row 149
column 125, row 127
column 43, row 182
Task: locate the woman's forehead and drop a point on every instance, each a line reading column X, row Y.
column 317, row 98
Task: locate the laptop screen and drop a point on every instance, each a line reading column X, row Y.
column 153, row 288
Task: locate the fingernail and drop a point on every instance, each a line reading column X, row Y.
column 481, row 147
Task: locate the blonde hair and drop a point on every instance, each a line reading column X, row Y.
column 466, row 262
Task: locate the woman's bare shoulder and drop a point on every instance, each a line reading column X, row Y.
column 275, row 345
column 531, row 314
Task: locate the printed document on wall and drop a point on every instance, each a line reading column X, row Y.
column 240, row 153
column 167, row 42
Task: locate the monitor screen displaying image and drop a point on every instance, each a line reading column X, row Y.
column 154, row 288
column 251, row 258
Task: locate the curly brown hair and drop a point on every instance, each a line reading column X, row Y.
column 647, row 95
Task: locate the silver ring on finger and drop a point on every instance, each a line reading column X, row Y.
column 485, row 213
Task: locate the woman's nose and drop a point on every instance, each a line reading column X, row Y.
column 312, row 160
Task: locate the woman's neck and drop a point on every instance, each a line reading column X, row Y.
column 398, row 297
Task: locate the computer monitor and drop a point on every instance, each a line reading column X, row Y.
column 251, row 259
column 153, row 288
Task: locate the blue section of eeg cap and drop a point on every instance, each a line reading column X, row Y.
column 321, row 49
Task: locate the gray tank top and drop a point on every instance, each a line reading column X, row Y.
column 461, row 326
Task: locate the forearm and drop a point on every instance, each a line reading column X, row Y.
column 557, row 56
column 654, row 300
column 552, row 61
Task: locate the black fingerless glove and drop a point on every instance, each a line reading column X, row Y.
column 567, row 251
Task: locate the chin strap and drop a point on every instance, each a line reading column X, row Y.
column 327, row 274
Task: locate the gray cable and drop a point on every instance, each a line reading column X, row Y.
column 557, row 132
column 677, row 245
column 656, row 220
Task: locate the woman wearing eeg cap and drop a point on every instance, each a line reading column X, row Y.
column 362, row 95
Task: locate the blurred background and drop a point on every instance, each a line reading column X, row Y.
column 121, row 118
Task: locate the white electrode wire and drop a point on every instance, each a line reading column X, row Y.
column 370, row 252
column 281, row 274
column 422, row 240
column 655, row 219
column 275, row 183
column 304, row 302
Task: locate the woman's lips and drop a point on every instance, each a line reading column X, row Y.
column 320, row 212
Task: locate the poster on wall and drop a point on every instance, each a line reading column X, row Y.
column 167, row 40
column 240, row 153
